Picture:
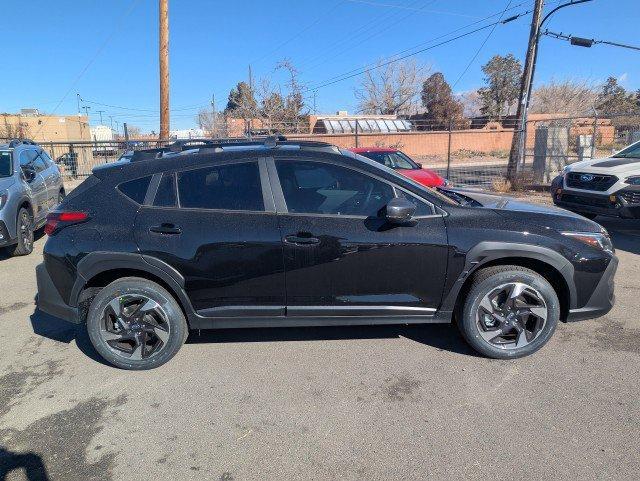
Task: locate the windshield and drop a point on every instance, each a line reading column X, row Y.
column 5, row 164
column 631, row 152
column 395, row 160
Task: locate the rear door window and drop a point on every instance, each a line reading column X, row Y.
column 222, row 187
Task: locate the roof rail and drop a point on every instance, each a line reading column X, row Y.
column 269, row 142
column 15, row 142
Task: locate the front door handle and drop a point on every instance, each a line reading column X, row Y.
column 294, row 239
column 165, row 229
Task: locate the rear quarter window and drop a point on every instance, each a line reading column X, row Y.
column 136, row 190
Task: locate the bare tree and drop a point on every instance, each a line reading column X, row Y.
column 215, row 126
column 294, row 102
column 392, row 89
column 272, row 106
column 471, row 103
column 570, row 96
column 14, row 128
column 134, row 132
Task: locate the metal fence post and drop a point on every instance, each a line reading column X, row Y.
column 356, row 133
column 595, row 133
column 449, row 151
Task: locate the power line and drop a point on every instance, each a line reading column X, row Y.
column 117, row 27
column 387, row 24
column 405, row 7
column 191, row 107
column 304, row 30
column 374, row 23
column 587, row 42
column 475, row 55
column 440, row 37
column 388, row 62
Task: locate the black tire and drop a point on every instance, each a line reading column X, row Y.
column 490, row 280
column 588, row 215
column 24, row 231
column 61, row 196
column 133, row 288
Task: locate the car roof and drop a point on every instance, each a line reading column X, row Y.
column 359, row 150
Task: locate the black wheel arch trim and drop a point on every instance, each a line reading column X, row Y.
column 489, row 251
column 97, row 263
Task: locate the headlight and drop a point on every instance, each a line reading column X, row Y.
column 633, row 180
column 600, row 240
column 3, row 199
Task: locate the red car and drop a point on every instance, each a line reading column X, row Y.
column 401, row 162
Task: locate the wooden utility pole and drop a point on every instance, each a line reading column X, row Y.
column 164, row 69
column 518, row 143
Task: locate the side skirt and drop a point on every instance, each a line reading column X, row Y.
column 199, row 322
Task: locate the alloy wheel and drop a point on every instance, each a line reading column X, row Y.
column 26, row 232
column 511, row 316
column 134, row 327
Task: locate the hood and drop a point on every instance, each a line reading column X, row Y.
column 543, row 215
column 609, row 165
column 6, row 182
column 423, row 176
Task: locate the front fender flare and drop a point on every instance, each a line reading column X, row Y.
column 488, row 251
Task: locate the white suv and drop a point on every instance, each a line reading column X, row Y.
column 608, row 186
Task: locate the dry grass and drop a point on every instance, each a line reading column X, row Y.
column 501, row 186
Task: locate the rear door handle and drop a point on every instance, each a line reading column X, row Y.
column 165, row 229
column 294, row 239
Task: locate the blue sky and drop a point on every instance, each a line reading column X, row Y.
column 107, row 51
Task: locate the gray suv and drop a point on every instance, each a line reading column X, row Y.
column 30, row 187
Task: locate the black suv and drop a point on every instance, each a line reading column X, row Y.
column 280, row 233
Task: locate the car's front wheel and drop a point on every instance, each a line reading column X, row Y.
column 135, row 323
column 509, row 312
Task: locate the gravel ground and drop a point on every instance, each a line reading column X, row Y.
column 368, row 403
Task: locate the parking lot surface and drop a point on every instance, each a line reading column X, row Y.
column 391, row 403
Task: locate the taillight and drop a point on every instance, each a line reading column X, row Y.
column 58, row 220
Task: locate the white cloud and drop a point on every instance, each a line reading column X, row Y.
column 623, row 78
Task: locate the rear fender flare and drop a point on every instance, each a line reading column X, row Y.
column 98, row 262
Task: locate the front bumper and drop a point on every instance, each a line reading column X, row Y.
column 602, row 299
column 49, row 299
column 625, row 203
column 5, row 238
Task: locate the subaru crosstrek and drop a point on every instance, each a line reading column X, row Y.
column 30, row 187
column 279, row 233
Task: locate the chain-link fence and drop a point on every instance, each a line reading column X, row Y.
column 469, row 152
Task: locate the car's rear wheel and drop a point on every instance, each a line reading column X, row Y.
column 24, row 231
column 509, row 312
column 135, row 323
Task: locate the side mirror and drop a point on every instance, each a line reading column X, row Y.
column 29, row 173
column 399, row 211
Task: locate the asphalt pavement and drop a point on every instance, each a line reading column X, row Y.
column 358, row 403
